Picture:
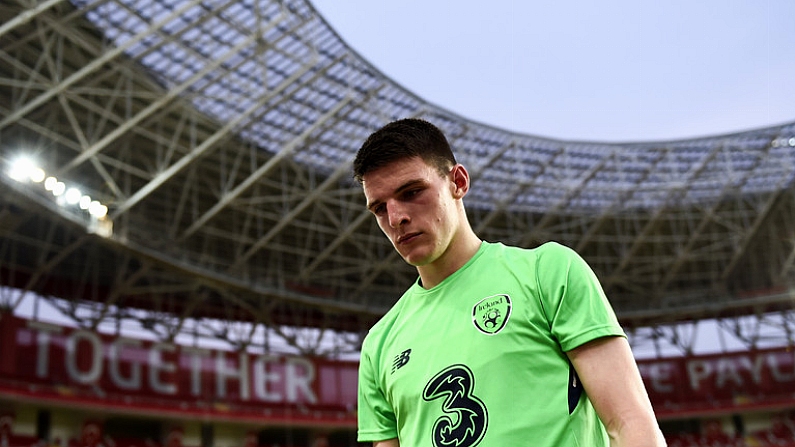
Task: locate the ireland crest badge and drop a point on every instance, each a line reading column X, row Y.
column 491, row 313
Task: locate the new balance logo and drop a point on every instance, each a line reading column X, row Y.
column 401, row 360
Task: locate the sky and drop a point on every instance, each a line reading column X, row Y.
column 609, row 70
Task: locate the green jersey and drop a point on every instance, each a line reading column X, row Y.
column 480, row 359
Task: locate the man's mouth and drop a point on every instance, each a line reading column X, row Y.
column 406, row 238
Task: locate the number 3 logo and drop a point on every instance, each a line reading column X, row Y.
column 466, row 419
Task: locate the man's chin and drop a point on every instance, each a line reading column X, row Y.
column 415, row 255
column 415, row 260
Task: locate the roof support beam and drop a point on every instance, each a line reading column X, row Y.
column 549, row 215
column 156, row 106
column 740, row 249
column 96, row 64
column 27, row 16
column 208, row 144
column 682, row 255
column 621, row 198
column 639, row 239
column 288, row 149
column 309, row 199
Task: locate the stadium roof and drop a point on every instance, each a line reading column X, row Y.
column 220, row 135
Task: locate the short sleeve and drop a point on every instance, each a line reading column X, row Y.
column 573, row 299
column 376, row 419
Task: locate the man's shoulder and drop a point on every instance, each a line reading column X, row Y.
column 556, row 249
column 545, row 250
column 384, row 324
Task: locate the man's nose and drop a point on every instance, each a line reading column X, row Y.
column 397, row 214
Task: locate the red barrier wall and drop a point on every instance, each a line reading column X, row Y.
column 722, row 382
column 41, row 361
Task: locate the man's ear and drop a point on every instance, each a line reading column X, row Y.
column 460, row 178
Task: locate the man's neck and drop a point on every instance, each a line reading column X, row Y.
column 457, row 255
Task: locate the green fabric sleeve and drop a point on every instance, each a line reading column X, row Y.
column 573, row 299
column 377, row 421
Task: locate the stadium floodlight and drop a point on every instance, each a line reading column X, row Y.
column 73, row 196
column 58, row 189
column 49, row 183
column 24, row 169
column 37, row 176
column 85, row 202
column 97, row 209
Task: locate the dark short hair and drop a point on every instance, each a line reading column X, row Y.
column 401, row 139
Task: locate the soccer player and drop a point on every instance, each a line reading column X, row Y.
column 493, row 345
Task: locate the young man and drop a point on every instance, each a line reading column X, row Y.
column 493, row 346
